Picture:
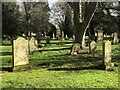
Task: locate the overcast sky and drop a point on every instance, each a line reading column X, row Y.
column 51, row 2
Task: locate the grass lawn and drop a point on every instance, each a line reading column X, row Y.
column 53, row 67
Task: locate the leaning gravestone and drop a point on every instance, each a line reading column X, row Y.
column 107, row 56
column 20, row 51
column 115, row 38
column 75, row 49
column 92, row 46
column 33, row 45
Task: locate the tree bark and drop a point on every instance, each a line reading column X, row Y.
column 80, row 28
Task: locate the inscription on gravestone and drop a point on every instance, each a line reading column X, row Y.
column 107, row 56
column 20, row 51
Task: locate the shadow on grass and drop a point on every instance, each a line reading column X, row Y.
column 8, row 69
column 98, row 67
column 6, row 45
column 6, row 53
column 59, row 43
column 55, row 49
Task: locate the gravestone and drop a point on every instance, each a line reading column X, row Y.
column 100, row 36
column 75, row 49
column 66, row 37
column 62, row 35
column 53, row 36
column 20, row 51
column 115, row 38
column 107, row 56
column 73, row 37
column 38, row 38
column 33, row 45
column 92, row 46
column 58, row 33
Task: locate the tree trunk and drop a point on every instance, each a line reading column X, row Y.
column 80, row 28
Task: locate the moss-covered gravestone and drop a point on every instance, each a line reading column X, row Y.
column 20, row 51
column 33, row 45
column 107, row 56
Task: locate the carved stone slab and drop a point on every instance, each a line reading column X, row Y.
column 20, row 51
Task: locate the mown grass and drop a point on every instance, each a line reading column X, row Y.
column 53, row 67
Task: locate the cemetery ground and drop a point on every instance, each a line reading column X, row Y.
column 53, row 67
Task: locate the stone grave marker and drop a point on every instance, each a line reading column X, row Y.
column 62, row 35
column 107, row 56
column 20, row 51
column 53, row 36
column 66, row 36
column 33, row 45
column 75, row 49
column 100, row 36
column 73, row 37
column 115, row 38
column 92, row 46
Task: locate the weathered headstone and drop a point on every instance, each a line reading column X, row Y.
column 107, row 56
column 73, row 37
column 92, row 46
column 20, row 51
column 66, row 36
column 75, row 49
column 33, row 45
column 58, row 34
column 100, row 36
column 53, row 36
column 62, row 35
column 115, row 38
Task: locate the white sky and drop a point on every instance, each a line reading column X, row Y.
column 51, row 2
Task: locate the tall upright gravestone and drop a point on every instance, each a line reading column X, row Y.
column 53, row 36
column 20, row 51
column 115, row 38
column 107, row 56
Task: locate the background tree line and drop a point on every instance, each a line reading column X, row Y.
column 74, row 18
